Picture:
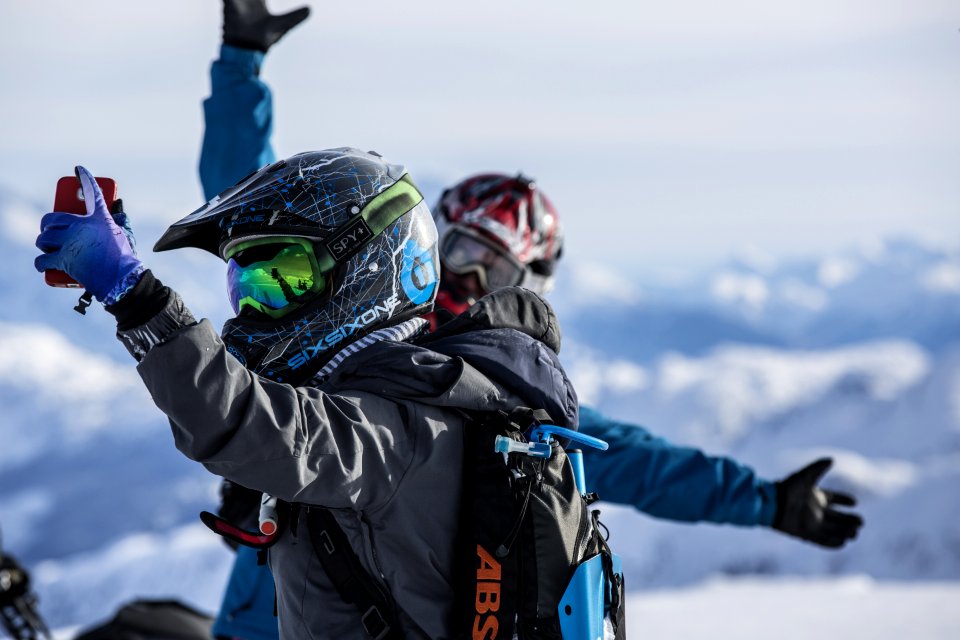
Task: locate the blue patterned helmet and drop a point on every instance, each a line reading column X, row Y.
column 373, row 246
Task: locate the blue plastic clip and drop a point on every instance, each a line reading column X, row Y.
column 502, row 444
column 538, row 433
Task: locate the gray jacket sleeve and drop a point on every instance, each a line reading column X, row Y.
column 296, row 443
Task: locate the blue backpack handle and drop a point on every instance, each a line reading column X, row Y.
column 537, row 435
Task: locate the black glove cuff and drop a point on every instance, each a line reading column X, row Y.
column 781, row 511
column 147, row 298
column 242, row 43
column 158, row 329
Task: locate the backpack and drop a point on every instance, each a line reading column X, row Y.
column 531, row 561
column 526, row 529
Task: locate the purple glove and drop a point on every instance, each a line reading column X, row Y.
column 91, row 249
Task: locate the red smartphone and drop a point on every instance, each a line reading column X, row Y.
column 69, row 199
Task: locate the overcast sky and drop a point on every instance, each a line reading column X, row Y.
column 669, row 134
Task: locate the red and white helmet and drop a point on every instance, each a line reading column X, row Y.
column 501, row 229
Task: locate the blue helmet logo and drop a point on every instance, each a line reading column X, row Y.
column 418, row 273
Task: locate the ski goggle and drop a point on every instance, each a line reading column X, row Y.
column 465, row 251
column 273, row 275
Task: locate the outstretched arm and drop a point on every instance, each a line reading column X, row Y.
column 239, row 120
column 684, row 483
column 672, row 482
column 238, row 115
column 300, row 444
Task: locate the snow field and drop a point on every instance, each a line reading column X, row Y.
column 848, row 608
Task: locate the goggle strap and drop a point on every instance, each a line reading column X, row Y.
column 379, row 214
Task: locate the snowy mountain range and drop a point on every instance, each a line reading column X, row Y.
column 854, row 356
column 894, row 289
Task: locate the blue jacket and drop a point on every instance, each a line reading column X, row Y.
column 639, row 469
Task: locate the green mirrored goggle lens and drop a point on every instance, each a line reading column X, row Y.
column 272, row 275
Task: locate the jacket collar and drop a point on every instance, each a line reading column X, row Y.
column 397, row 333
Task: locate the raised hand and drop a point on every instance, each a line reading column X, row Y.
column 92, row 249
column 248, row 24
column 808, row 512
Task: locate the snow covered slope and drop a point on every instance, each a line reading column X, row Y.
column 759, row 609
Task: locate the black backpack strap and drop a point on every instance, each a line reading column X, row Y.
column 522, row 417
column 18, row 603
column 349, row 577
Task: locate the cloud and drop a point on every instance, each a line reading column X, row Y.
column 943, row 278
column 693, row 126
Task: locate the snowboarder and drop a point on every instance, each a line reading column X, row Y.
column 678, row 483
column 322, row 401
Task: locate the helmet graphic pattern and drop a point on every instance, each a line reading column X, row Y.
column 311, row 193
column 381, row 275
